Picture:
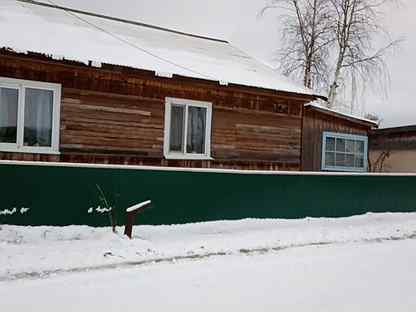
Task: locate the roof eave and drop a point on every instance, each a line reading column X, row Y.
column 363, row 122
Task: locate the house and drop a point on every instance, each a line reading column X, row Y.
column 83, row 95
column 393, row 149
column 334, row 141
column 85, row 88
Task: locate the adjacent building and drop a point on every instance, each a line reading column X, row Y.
column 393, row 149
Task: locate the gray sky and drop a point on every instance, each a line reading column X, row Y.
column 238, row 22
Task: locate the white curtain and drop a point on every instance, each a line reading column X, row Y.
column 196, row 130
column 38, row 117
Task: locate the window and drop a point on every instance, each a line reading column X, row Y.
column 344, row 152
column 29, row 116
column 187, row 129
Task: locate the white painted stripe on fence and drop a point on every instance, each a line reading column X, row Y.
column 202, row 170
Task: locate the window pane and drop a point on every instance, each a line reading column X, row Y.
column 38, row 117
column 359, row 147
column 8, row 115
column 177, row 126
column 349, row 160
column 330, row 159
column 340, row 160
column 349, row 146
column 195, row 141
column 330, row 144
column 359, row 161
column 340, row 145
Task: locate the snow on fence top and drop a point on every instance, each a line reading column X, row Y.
column 203, row 170
column 84, row 37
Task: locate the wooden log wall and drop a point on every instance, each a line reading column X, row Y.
column 400, row 138
column 115, row 115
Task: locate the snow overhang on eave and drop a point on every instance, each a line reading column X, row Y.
column 97, row 64
column 338, row 114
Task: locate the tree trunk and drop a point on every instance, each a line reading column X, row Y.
column 333, row 88
column 307, row 81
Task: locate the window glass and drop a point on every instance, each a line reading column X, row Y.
column 349, row 160
column 330, row 159
column 177, row 126
column 340, row 145
column 344, row 152
column 195, row 141
column 8, row 115
column 339, row 159
column 349, row 146
column 359, row 147
column 359, row 161
column 330, row 144
column 38, row 117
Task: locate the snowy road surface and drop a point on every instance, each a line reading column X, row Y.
column 346, row 277
column 361, row 263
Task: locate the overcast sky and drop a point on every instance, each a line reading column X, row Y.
column 238, row 22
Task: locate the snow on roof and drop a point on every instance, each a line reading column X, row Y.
column 320, row 104
column 83, row 37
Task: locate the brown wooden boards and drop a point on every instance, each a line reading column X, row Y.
column 115, row 115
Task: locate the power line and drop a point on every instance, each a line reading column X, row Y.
column 71, row 13
column 122, row 20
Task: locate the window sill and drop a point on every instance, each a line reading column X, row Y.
column 347, row 169
column 29, row 150
column 188, row 157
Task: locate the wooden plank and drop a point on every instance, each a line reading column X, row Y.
column 109, row 109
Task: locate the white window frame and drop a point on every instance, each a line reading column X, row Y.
column 187, row 103
column 346, row 136
column 21, row 86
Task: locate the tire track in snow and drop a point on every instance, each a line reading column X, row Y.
column 249, row 251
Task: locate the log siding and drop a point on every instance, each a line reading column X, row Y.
column 115, row 115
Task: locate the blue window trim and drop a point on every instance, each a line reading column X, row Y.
column 336, row 135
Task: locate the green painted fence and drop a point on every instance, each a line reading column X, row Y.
column 62, row 194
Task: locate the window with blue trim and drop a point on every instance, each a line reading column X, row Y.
column 344, row 152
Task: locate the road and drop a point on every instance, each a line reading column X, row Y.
column 341, row 277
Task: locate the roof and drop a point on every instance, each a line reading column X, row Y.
column 397, row 130
column 318, row 106
column 395, row 138
column 29, row 26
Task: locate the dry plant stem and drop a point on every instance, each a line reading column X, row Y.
column 111, row 213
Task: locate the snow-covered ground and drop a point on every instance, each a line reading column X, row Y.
column 348, row 277
column 361, row 263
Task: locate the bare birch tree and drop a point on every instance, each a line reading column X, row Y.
column 305, row 40
column 331, row 44
column 356, row 25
